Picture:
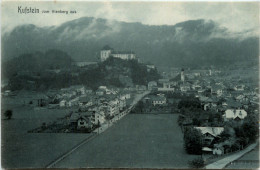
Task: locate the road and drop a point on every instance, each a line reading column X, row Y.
column 136, row 141
column 110, row 123
column 248, row 161
column 220, row 164
column 137, row 98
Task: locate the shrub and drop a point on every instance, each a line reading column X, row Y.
column 197, row 163
column 235, row 146
column 8, row 114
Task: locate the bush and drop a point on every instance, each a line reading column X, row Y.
column 197, row 163
column 235, row 146
column 8, row 114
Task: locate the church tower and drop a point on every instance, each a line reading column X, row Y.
column 182, row 75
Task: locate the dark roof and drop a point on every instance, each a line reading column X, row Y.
column 233, row 103
column 158, row 98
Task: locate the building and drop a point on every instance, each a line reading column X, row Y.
column 159, row 99
column 99, row 118
column 81, row 121
column 216, row 90
column 150, row 67
column 239, row 88
column 210, row 73
column 62, row 103
column 166, row 88
column 231, row 104
column 234, row 114
column 185, row 87
column 89, row 91
column 209, row 134
column 84, row 122
column 107, row 52
column 182, row 75
column 152, row 85
column 100, row 92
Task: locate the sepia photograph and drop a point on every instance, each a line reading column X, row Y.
column 121, row 84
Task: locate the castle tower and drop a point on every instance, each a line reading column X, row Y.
column 182, row 75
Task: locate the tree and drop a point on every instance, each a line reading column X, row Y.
column 250, row 127
column 8, row 114
column 193, row 141
column 235, row 146
column 181, row 119
column 190, row 103
column 44, row 126
column 227, row 134
column 140, row 106
column 196, row 121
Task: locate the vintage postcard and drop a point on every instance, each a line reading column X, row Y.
column 109, row 84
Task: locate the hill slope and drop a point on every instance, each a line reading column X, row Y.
column 54, row 70
column 192, row 42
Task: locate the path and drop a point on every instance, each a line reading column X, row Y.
column 220, row 164
column 109, row 123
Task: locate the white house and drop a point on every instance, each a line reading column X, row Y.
column 166, row 87
column 158, row 99
column 99, row 117
column 100, row 92
column 62, row 103
column 234, row 114
column 239, row 87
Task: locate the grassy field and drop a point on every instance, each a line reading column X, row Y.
column 136, row 141
column 23, row 150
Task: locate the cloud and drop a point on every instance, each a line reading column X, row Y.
column 95, row 29
column 236, row 16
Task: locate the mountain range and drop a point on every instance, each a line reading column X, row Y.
column 193, row 42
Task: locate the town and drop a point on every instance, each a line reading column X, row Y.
column 216, row 107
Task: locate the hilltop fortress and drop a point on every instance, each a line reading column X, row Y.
column 107, row 52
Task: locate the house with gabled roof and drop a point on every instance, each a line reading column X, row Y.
column 239, row 87
column 234, row 114
column 216, row 90
column 209, row 134
column 82, row 120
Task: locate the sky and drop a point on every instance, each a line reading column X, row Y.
column 236, row 16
